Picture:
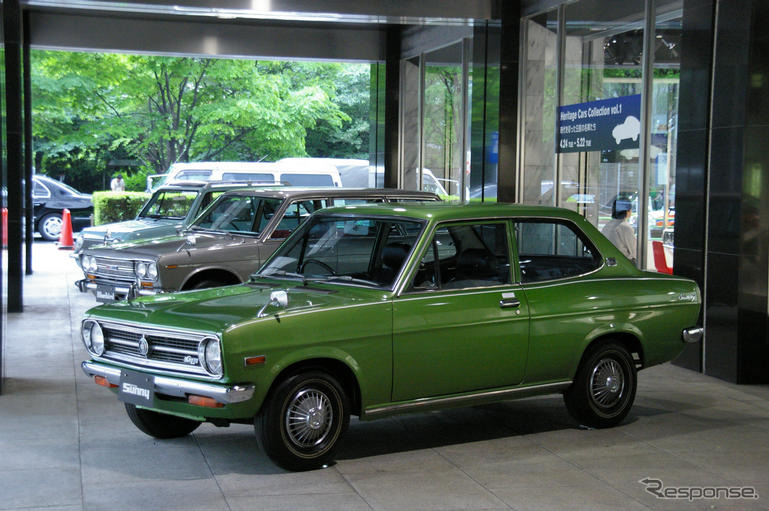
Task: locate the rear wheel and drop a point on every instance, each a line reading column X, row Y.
column 301, row 423
column 604, row 388
column 49, row 226
column 160, row 425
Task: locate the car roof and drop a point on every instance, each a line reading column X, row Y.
column 441, row 211
column 293, row 192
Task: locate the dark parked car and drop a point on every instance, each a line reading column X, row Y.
column 50, row 198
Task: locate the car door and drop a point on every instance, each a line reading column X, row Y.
column 461, row 324
column 556, row 260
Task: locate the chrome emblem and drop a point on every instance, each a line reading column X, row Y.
column 144, row 347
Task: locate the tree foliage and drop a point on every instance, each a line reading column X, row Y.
column 93, row 108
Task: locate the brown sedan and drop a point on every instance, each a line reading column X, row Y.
column 226, row 244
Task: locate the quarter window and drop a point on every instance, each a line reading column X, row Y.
column 550, row 250
column 465, row 256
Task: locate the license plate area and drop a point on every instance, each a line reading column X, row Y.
column 136, row 388
column 105, row 293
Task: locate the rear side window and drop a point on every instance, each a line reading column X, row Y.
column 194, row 175
column 306, row 179
column 247, row 176
column 551, row 249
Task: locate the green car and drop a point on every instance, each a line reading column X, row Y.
column 376, row 310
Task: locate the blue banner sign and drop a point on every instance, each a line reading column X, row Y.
column 600, row 125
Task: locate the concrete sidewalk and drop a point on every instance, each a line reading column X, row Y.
column 67, row 444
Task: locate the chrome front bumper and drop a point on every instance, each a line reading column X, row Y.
column 177, row 387
column 118, row 291
column 692, row 334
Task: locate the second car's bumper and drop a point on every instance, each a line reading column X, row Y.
column 108, row 292
column 177, row 387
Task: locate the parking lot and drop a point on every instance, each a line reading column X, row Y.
column 67, row 444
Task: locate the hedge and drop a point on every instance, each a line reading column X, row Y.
column 117, row 206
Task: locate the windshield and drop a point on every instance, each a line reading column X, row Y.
column 362, row 251
column 169, row 204
column 243, row 214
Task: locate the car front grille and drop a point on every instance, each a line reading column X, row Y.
column 114, row 269
column 165, row 350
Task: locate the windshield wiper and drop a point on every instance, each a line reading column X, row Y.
column 280, row 273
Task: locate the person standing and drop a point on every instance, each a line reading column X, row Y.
column 619, row 231
column 117, row 184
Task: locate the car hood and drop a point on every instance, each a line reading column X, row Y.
column 217, row 309
column 141, row 228
column 154, row 248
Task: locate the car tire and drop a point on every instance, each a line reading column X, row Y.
column 50, row 226
column 604, row 388
column 160, row 425
column 208, row 283
column 303, row 420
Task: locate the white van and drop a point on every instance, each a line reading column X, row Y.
column 289, row 171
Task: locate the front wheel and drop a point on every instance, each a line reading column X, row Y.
column 160, row 425
column 604, row 388
column 303, row 420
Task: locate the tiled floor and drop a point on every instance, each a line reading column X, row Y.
column 66, row 444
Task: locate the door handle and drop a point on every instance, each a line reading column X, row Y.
column 509, row 303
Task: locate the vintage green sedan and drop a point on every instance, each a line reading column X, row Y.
column 377, row 310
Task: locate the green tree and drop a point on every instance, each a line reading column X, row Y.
column 89, row 107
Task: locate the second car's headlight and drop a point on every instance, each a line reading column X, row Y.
column 146, row 270
column 89, row 264
column 210, row 355
column 93, row 337
column 79, row 242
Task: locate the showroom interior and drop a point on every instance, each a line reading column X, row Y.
column 698, row 177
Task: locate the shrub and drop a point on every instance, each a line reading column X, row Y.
column 117, row 206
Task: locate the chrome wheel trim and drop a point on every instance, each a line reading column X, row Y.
column 309, row 418
column 607, row 383
column 52, row 226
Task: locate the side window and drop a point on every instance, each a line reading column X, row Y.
column 296, row 213
column 39, row 191
column 356, row 202
column 548, row 249
column 194, row 175
column 465, row 256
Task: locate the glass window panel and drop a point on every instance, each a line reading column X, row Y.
column 539, row 108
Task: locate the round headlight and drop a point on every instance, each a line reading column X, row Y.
column 92, row 266
column 152, row 271
column 79, row 242
column 97, row 339
column 93, row 337
column 85, row 332
column 210, row 355
column 141, row 270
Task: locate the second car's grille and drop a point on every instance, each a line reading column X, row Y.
column 173, row 351
column 114, row 268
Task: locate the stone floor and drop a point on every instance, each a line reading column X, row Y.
column 66, row 444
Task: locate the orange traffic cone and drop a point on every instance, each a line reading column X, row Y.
column 5, row 227
column 65, row 238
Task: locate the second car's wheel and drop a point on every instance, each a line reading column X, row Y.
column 301, row 423
column 160, row 425
column 604, row 388
column 208, row 283
column 50, row 226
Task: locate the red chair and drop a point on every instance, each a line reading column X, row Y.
column 659, row 258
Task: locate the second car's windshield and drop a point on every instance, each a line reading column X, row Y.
column 361, row 251
column 169, row 204
column 243, row 214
